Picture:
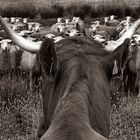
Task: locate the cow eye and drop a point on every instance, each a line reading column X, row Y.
column 103, row 37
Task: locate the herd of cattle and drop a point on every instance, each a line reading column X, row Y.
column 76, row 63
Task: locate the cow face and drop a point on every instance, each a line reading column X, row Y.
column 59, row 20
column 128, row 18
column 99, row 38
column 136, row 39
column 5, row 44
column 51, row 36
column 112, row 17
column 37, row 27
column 106, row 19
column 25, row 20
column 73, row 32
column 67, row 20
column 12, row 20
column 61, row 29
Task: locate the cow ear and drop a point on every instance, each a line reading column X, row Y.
column 1, row 38
column 48, row 58
column 119, row 57
column 77, row 26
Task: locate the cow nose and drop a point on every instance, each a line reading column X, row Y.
column 5, row 49
column 106, row 43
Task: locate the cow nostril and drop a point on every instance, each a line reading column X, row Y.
column 105, row 43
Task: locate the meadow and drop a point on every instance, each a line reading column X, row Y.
column 20, row 111
column 20, row 108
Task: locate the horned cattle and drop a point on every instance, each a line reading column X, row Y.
column 76, row 93
column 131, row 73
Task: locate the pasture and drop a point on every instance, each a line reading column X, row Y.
column 20, row 108
column 20, row 112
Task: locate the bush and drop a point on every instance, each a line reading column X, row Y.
column 90, row 9
column 79, row 13
column 137, row 12
column 54, row 11
column 86, row 8
column 18, row 9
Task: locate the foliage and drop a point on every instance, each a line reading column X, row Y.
column 54, row 10
column 18, row 9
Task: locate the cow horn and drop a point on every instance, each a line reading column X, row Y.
column 112, row 45
column 19, row 40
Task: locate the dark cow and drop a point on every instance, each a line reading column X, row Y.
column 76, row 93
column 131, row 74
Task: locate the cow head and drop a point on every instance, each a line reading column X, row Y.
column 61, row 29
column 5, row 44
column 128, row 18
column 99, row 38
column 106, row 19
column 112, row 17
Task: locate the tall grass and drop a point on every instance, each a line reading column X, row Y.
column 92, row 9
column 53, row 10
column 18, row 8
column 19, row 109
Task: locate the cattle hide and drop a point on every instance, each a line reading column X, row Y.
column 76, row 94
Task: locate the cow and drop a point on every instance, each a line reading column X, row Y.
column 132, row 71
column 8, row 58
column 111, row 44
column 76, row 94
column 112, row 32
column 112, row 22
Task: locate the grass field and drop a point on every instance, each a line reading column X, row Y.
column 59, row 8
column 20, row 110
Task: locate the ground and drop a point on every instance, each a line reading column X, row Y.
column 20, row 110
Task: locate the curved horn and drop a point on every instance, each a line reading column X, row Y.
column 19, row 40
column 112, row 45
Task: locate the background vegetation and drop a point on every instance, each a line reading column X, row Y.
column 53, row 9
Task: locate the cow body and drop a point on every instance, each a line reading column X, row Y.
column 76, row 93
column 76, row 105
column 132, row 70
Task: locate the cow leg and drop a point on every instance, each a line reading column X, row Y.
column 30, row 80
column 137, row 84
column 42, row 128
column 132, row 85
column 125, row 81
column 129, row 84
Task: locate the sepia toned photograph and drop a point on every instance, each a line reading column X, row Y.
column 69, row 69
